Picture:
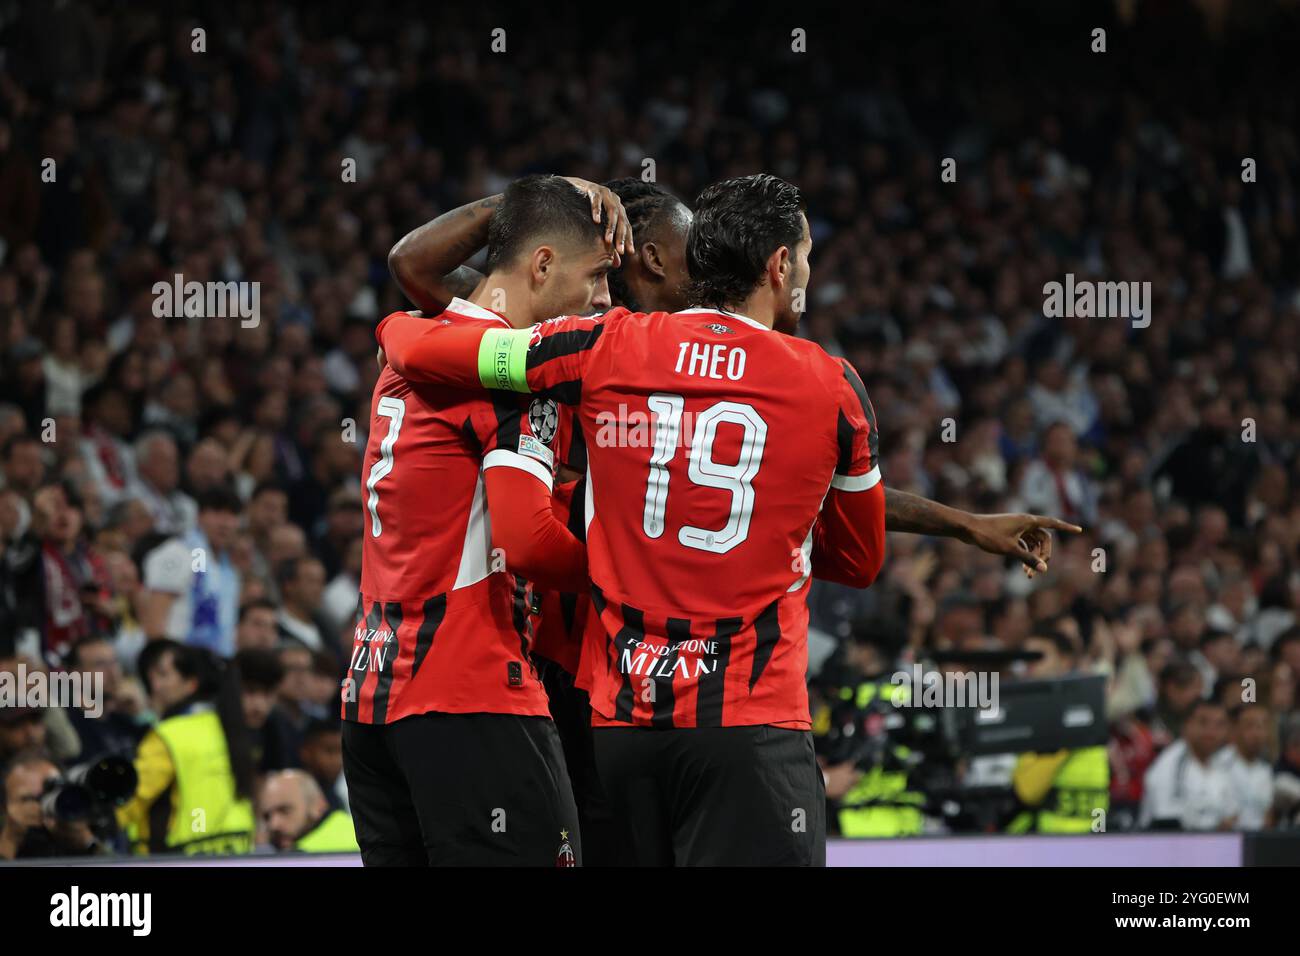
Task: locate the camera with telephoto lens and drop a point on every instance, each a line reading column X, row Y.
column 90, row 792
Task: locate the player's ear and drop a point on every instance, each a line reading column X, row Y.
column 652, row 260
column 778, row 267
column 541, row 264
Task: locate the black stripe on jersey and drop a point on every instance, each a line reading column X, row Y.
column 855, row 382
column 632, row 631
column 374, row 617
column 564, row 343
column 844, row 432
column 508, row 412
column 679, row 631
column 767, row 634
column 577, row 457
column 578, row 509
column 708, row 701
column 566, row 393
column 352, row 701
column 434, row 609
column 519, row 615
column 384, row 683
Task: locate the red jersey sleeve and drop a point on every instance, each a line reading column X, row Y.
column 432, row 350
column 849, row 540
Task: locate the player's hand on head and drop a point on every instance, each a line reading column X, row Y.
column 618, row 229
column 1023, row 536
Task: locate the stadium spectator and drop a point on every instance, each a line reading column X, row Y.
column 1186, row 788
column 193, row 586
column 103, row 728
column 1247, row 767
column 157, row 484
column 295, row 816
column 301, row 582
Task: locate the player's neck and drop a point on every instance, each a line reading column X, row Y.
column 507, row 295
column 758, row 307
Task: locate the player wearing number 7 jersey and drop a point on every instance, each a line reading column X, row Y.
column 726, row 464
column 449, row 750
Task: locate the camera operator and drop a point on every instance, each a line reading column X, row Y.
column 32, row 827
column 855, row 727
column 1067, row 791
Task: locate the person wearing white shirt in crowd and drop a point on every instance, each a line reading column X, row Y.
column 1053, row 483
column 1185, row 788
column 301, row 582
column 1243, row 760
column 192, row 586
column 339, row 602
column 158, row 473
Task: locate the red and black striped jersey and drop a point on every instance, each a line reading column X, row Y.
column 440, row 625
column 713, row 446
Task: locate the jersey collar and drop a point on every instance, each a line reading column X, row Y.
column 731, row 315
column 471, row 311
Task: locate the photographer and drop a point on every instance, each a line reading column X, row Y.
column 856, row 730
column 1067, row 791
column 33, row 827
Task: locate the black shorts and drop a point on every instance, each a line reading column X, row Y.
column 571, row 709
column 461, row 790
column 714, row 796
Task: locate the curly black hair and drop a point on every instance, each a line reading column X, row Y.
column 738, row 224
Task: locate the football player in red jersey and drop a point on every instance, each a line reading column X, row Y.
column 428, row 265
column 449, row 750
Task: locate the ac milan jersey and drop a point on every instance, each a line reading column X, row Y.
column 441, row 625
column 712, row 443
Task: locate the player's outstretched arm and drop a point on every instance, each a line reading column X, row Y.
column 1025, row 537
column 440, row 353
column 428, row 262
column 473, row 355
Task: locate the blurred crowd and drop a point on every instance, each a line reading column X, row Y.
column 197, row 480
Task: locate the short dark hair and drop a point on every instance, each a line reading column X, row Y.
column 648, row 206
column 1281, row 641
column 1059, row 639
column 260, row 670
column 256, row 604
column 738, row 224
column 220, row 498
column 73, row 656
column 269, row 484
column 322, row 727
column 1201, row 703
column 1179, row 672
column 541, row 207
column 13, row 441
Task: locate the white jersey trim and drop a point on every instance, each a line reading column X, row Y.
column 857, row 482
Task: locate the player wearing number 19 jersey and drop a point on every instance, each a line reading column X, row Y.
column 726, row 463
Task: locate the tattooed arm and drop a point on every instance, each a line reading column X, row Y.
column 1022, row 536
column 426, row 262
